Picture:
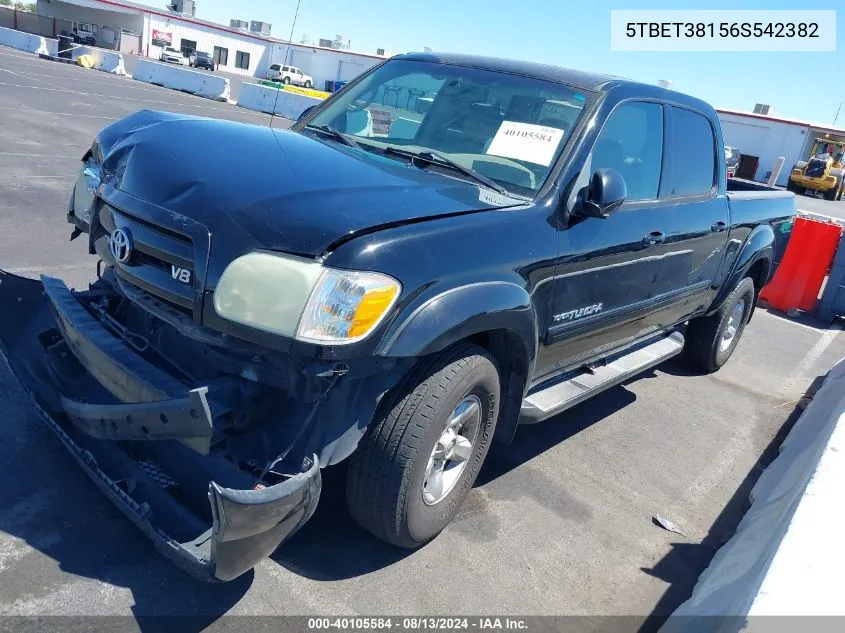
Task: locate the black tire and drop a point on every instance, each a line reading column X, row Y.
column 385, row 481
column 791, row 186
column 830, row 194
column 704, row 335
column 307, row 84
column 286, row 80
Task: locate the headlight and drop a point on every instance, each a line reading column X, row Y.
column 87, row 182
column 346, row 306
column 298, row 297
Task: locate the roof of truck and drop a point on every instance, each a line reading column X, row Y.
column 577, row 78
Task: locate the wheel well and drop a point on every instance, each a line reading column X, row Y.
column 511, row 357
column 758, row 273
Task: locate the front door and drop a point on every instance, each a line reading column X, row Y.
column 610, row 270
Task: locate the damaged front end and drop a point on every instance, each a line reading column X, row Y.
column 192, row 466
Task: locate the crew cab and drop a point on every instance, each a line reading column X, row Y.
column 400, row 300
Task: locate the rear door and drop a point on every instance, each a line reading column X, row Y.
column 695, row 219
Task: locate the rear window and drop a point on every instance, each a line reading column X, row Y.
column 275, row 67
column 693, row 154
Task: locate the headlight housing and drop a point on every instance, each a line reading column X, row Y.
column 300, row 298
column 346, row 306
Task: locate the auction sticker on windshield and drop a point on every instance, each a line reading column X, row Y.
column 525, row 141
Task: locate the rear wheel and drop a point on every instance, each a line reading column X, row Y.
column 832, row 194
column 791, row 186
column 286, row 80
column 711, row 340
column 422, row 452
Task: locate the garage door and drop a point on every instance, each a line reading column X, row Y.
column 302, row 60
column 746, row 137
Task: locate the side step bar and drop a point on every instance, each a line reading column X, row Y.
column 563, row 395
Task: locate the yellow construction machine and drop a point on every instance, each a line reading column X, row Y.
column 823, row 171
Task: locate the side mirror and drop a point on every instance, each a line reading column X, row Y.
column 305, row 112
column 605, row 195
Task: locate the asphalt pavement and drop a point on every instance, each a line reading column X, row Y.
column 560, row 521
column 821, row 206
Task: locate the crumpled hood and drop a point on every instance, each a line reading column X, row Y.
column 254, row 187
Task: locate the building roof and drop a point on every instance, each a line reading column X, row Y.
column 128, row 4
column 585, row 80
column 764, row 117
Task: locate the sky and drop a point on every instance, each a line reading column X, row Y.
column 574, row 34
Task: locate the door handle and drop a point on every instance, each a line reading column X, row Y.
column 655, row 237
column 718, row 227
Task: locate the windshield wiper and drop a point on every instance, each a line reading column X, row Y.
column 444, row 161
column 338, row 136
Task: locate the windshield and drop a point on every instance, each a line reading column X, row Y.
column 508, row 128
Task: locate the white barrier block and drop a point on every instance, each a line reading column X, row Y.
column 105, row 60
column 184, row 79
column 274, row 101
column 28, row 42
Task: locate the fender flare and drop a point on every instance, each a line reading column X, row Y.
column 464, row 311
column 759, row 246
column 460, row 312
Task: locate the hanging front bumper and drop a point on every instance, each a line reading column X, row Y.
column 142, row 436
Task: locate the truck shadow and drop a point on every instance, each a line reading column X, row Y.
column 57, row 529
column 685, row 562
column 333, row 546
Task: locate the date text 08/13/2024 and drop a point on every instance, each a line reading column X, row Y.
column 421, row 623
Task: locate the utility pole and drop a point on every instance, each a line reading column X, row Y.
column 837, row 113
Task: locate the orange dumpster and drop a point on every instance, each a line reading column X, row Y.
column 805, row 264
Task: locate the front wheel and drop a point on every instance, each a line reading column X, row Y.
column 423, row 450
column 286, row 80
column 307, row 84
column 711, row 340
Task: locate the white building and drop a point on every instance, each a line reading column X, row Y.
column 144, row 30
column 767, row 137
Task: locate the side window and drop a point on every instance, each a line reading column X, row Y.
column 693, row 149
column 285, row 69
column 631, row 142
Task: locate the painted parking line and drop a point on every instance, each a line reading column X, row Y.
column 70, row 114
column 26, row 155
column 802, row 369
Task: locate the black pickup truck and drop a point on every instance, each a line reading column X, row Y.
column 401, row 296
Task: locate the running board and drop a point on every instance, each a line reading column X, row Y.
column 563, row 395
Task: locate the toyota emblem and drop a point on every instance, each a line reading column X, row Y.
column 120, row 245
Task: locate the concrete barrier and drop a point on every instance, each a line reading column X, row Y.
column 28, row 42
column 184, row 79
column 272, row 101
column 105, row 60
column 787, row 555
